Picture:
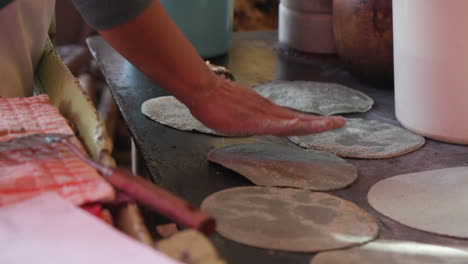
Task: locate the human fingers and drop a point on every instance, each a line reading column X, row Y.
column 337, row 121
column 294, row 127
column 305, row 127
column 287, row 113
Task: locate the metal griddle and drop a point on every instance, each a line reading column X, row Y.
column 177, row 161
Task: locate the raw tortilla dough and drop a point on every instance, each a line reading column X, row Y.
column 394, row 252
column 366, row 139
column 169, row 111
column 289, row 219
column 433, row 201
column 315, row 97
column 268, row 164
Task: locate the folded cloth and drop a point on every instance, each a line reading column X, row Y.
column 21, row 117
column 26, row 173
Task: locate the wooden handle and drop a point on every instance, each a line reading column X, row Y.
column 161, row 200
column 151, row 195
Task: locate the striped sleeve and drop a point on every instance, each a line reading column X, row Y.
column 106, row 14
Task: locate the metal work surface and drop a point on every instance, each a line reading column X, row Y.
column 177, row 160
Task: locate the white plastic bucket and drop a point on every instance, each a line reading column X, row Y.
column 431, row 67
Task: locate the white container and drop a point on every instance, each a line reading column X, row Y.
column 307, row 25
column 431, row 67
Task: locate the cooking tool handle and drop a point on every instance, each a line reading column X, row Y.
column 160, row 200
column 151, row 195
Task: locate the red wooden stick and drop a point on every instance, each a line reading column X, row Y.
column 152, row 196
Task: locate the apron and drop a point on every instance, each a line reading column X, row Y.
column 23, row 34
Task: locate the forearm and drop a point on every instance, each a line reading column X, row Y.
column 154, row 44
column 148, row 38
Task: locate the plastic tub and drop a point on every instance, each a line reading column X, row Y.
column 206, row 23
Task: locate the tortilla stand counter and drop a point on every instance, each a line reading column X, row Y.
column 177, row 160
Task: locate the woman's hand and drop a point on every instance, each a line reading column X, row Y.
column 239, row 111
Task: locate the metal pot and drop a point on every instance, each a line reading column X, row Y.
column 364, row 37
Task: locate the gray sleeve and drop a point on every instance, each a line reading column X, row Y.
column 105, row 14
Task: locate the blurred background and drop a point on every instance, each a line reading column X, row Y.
column 248, row 15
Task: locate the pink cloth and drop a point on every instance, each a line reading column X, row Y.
column 26, row 173
column 49, row 230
